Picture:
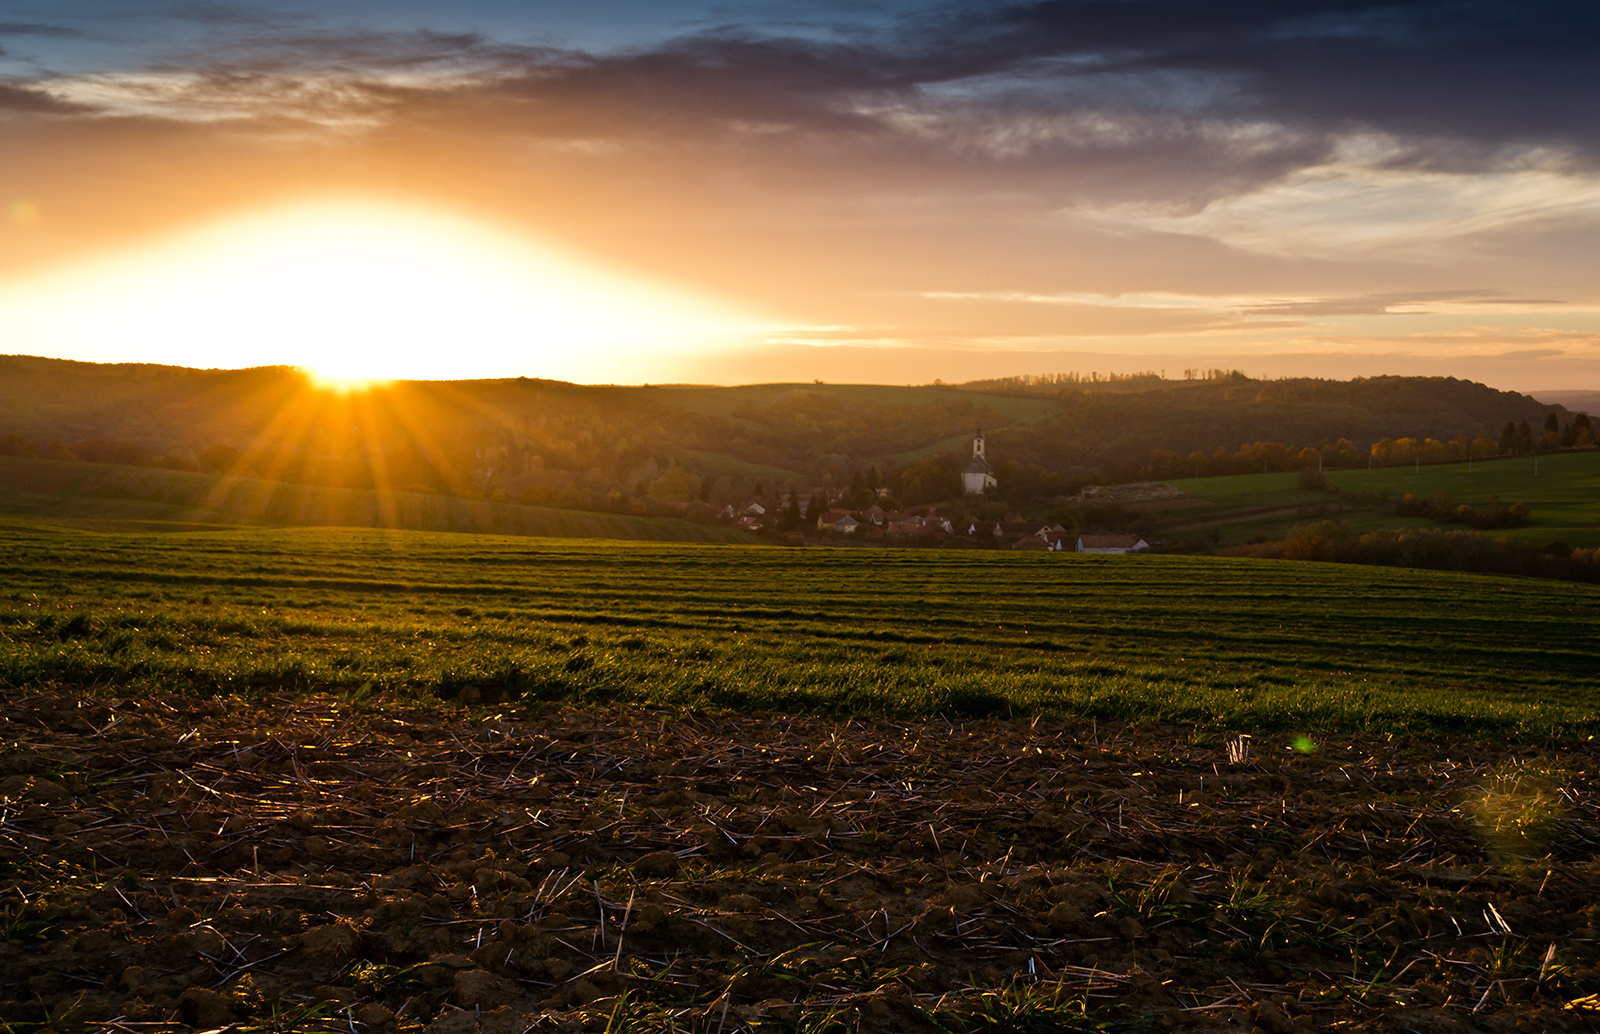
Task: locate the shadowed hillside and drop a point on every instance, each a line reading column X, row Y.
column 689, row 450
column 135, row 496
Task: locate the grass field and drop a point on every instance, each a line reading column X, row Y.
column 749, row 790
column 1223, row 642
column 101, row 492
column 1563, row 496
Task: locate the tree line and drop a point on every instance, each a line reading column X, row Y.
column 1432, row 549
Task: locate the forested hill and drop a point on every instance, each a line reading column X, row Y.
column 1114, row 429
column 605, row 447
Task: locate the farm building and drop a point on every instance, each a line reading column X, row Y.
column 1111, row 544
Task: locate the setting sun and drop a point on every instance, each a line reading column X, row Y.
column 360, row 292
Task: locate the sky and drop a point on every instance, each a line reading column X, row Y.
column 645, row 192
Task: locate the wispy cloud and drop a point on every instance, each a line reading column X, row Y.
column 1407, row 303
column 1353, row 206
column 39, row 29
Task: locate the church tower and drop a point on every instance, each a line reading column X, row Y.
column 978, row 475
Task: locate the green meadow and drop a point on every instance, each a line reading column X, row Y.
column 97, row 493
column 1215, row 641
column 1562, row 492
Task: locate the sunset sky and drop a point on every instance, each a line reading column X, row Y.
column 655, row 190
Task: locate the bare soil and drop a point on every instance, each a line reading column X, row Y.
column 300, row 864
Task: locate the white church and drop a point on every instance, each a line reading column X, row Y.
column 978, row 475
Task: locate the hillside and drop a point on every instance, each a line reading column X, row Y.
column 1577, row 401
column 650, row 450
column 1116, row 431
column 1562, row 493
column 111, row 495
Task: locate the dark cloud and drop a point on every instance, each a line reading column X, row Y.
column 1479, row 70
column 38, row 29
column 1122, row 98
column 30, row 102
column 1456, row 81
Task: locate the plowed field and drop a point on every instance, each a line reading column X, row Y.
column 306, row 864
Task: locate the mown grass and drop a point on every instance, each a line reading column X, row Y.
column 1564, row 497
column 1216, row 641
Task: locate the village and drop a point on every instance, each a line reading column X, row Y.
column 821, row 520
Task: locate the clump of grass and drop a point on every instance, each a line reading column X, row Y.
column 1026, row 1008
column 1166, row 897
column 1518, row 811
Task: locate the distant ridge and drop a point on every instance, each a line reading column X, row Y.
column 1576, row 401
column 658, row 450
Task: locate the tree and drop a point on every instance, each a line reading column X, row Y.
column 930, row 479
column 676, row 486
column 791, row 509
column 1524, row 438
column 819, row 504
column 219, row 459
column 1583, row 434
column 856, row 495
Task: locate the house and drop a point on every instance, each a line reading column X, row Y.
column 916, row 527
column 986, row 529
column 875, row 515
column 840, row 521
column 978, row 475
column 1111, row 544
column 1044, row 541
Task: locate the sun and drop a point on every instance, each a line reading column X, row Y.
column 356, row 292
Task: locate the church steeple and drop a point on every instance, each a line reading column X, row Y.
column 979, row 475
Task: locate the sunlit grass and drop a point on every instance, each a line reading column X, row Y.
column 484, row 620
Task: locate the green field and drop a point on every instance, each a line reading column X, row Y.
column 1563, row 497
column 1216, row 641
column 59, row 490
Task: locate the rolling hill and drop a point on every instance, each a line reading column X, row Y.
column 651, row 448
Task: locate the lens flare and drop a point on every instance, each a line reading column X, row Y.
column 24, row 213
